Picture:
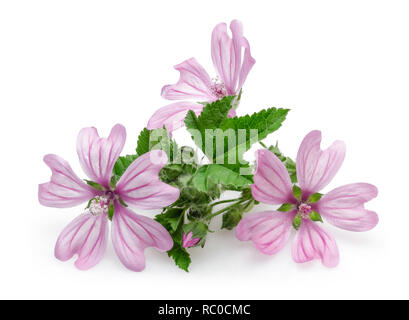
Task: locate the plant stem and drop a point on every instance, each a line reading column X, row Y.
column 224, row 201
column 225, row 209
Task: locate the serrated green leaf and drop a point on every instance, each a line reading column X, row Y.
column 297, row 221
column 315, row 216
column 225, row 140
column 297, row 192
column 156, row 139
column 180, row 256
column 219, row 175
column 212, row 115
column 286, row 207
column 315, row 197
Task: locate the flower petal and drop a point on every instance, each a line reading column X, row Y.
column 272, row 183
column 316, row 168
column 132, row 233
column 225, row 57
column 344, row 207
column 248, row 63
column 98, row 155
column 173, row 115
column 140, row 185
column 313, row 242
column 86, row 236
column 268, row 230
column 194, row 83
column 65, row 189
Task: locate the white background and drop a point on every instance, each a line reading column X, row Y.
column 341, row 66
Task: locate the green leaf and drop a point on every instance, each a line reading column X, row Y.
column 315, row 216
column 231, row 219
column 198, row 228
column 211, row 117
column 122, row 164
column 171, row 218
column 297, row 192
column 219, row 175
column 315, row 197
column 265, row 122
column 286, row 207
column 225, row 140
column 180, row 256
column 95, row 185
column 111, row 210
column 156, row 139
column 297, row 221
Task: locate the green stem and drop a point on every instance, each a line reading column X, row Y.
column 225, row 209
column 224, row 201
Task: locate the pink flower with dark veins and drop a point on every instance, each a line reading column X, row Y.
column 232, row 67
column 188, row 240
column 139, row 187
column 303, row 207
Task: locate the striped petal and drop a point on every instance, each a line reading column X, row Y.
column 140, row 185
column 86, row 236
column 313, row 242
column 98, row 155
column 272, row 183
column 173, row 115
column 132, row 233
column 194, row 83
column 65, row 189
column 268, row 230
column 344, row 207
column 315, row 167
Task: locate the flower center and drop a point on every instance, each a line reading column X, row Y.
column 99, row 205
column 218, row 89
column 304, row 210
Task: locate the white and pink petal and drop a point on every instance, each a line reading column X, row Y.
column 140, row 185
column 315, row 167
column 194, row 83
column 224, row 56
column 132, row 233
column 272, row 183
column 97, row 155
column 269, row 230
column 313, row 242
column 344, row 207
column 86, row 236
column 65, row 189
column 173, row 115
column 248, row 63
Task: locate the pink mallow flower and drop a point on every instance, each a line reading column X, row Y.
column 232, row 67
column 343, row 207
column 139, row 186
column 188, row 240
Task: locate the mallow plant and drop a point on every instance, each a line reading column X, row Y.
column 186, row 183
